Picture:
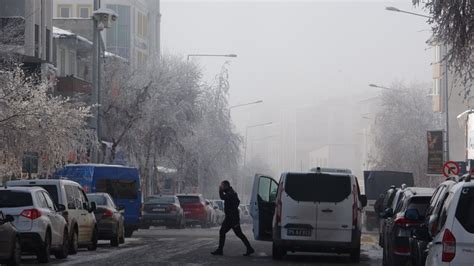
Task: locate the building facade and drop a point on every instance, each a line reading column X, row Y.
column 135, row 35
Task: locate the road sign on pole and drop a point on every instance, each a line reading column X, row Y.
column 451, row 168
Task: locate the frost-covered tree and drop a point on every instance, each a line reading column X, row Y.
column 34, row 120
column 452, row 23
column 399, row 132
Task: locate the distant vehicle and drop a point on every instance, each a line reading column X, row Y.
column 163, row 210
column 245, row 214
column 376, row 183
column 196, row 210
column 120, row 182
column 451, row 229
column 78, row 211
column 10, row 246
column 308, row 212
column 420, row 237
column 407, row 215
column 42, row 228
column 220, row 215
column 110, row 221
column 213, row 212
column 390, row 200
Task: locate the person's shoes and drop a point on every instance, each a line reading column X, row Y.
column 249, row 252
column 218, row 252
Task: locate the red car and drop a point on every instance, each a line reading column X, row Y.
column 196, row 210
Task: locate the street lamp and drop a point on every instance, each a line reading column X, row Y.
column 394, row 9
column 211, row 55
column 245, row 104
column 246, row 137
column 385, row 88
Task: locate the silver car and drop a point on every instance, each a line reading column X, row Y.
column 41, row 226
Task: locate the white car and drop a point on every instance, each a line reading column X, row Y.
column 308, row 212
column 41, row 226
column 79, row 212
column 453, row 229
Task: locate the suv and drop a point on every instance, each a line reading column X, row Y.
column 408, row 214
column 452, row 226
column 38, row 220
column 308, row 212
column 78, row 213
column 196, row 209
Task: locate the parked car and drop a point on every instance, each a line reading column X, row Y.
column 163, row 210
column 452, row 229
column 41, row 226
column 244, row 214
column 220, row 215
column 78, row 211
column 109, row 218
column 196, row 211
column 420, row 237
column 408, row 214
column 121, row 182
column 308, row 212
column 390, row 203
column 214, row 214
column 10, row 246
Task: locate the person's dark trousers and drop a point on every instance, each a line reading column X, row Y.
column 228, row 224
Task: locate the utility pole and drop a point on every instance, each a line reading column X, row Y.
column 95, row 79
column 446, row 100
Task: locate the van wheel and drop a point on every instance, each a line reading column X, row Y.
column 63, row 252
column 277, row 252
column 16, row 254
column 93, row 245
column 74, row 242
column 43, row 253
column 355, row 254
column 115, row 241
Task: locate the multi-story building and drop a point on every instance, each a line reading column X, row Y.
column 26, row 31
column 135, row 35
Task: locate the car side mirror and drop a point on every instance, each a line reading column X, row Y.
column 363, row 200
column 9, row 218
column 93, row 207
column 61, row 208
column 412, row 214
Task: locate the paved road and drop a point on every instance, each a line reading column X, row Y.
column 159, row 246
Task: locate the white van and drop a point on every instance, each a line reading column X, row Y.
column 308, row 212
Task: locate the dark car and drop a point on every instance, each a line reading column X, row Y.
column 196, row 210
column 110, row 220
column 408, row 214
column 10, row 247
column 389, row 201
column 163, row 210
column 421, row 235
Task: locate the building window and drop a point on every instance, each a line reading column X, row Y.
column 84, row 11
column 435, row 90
column 64, row 11
column 437, row 55
column 141, row 58
column 48, row 44
column 142, row 25
column 118, row 36
column 62, row 62
column 72, row 63
column 37, row 39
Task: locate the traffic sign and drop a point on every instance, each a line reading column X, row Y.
column 451, row 168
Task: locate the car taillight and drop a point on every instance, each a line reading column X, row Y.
column 278, row 205
column 172, row 208
column 31, row 214
column 404, row 222
column 107, row 213
column 449, row 246
column 400, row 250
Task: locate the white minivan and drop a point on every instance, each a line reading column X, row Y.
column 308, row 212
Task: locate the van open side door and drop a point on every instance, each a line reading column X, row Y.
column 262, row 206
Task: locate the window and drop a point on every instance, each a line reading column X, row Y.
column 49, row 202
column 82, row 198
column 318, row 187
column 264, row 188
column 188, row 199
column 62, row 62
column 437, row 54
column 118, row 36
column 142, row 25
column 48, row 45
column 41, row 200
column 465, row 209
column 64, row 11
column 141, row 58
column 435, row 90
column 72, row 63
column 98, row 199
column 70, row 195
column 84, row 11
column 14, row 199
column 118, row 188
column 52, row 190
column 420, row 204
column 444, row 211
column 37, row 36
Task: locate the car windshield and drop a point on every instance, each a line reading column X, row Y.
column 14, row 199
column 98, row 199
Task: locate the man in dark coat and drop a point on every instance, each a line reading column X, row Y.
column 232, row 218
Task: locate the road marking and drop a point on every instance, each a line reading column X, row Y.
column 167, row 239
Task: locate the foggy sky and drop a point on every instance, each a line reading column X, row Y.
column 295, row 53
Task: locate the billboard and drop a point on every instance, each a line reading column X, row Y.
column 470, row 136
column 435, row 152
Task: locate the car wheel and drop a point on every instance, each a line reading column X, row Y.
column 277, row 252
column 93, row 245
column 64, row 252
column 43, row 253
column 128, row 232
column 74, row 242
column 182, row 224
column 122, row 236
column 16, row 254
column 355, row 254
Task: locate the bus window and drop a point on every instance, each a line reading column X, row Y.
column 118, row 188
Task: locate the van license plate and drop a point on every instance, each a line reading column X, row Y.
column 298, row 232
column 159, row 209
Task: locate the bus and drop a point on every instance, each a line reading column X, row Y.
column 121, row 182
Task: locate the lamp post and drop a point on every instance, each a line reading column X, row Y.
column 211, row 55
column 245, row 104
column 394, row 9
column 246, row 137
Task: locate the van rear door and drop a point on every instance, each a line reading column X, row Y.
column 336, row 212
column 463, row 227
column 262, row 206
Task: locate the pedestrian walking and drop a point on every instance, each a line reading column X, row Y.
column 232, row 218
